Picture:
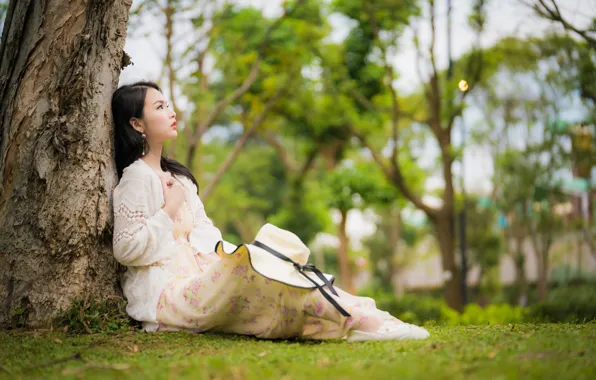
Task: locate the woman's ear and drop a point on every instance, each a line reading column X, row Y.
column 136, row 124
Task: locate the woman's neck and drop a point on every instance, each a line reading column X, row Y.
column 153, row 159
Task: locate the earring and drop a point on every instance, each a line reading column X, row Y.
column 144, row 137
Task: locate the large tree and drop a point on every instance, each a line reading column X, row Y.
column 385, row 113
column 60, row 62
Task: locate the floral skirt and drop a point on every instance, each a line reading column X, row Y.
column 228, row 296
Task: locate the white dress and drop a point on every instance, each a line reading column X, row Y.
column 194, row 289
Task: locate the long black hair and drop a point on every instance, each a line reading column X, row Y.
column 127, row 102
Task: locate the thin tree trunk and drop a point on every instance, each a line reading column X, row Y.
column 543, row 274
column 345, row 271
column 58, row 70
column 541, row 252
column 442, row 219
column 451, row 273
column 394, row 238
column 589, row 239
column 190, row 155
column 521, row 282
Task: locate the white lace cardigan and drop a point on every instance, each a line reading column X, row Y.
column 143, row 237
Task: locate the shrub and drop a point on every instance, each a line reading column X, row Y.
column 428, row 310
column 496, row 314
column 568, row 304
column 94, row 316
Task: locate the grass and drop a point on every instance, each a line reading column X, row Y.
column 558, row 351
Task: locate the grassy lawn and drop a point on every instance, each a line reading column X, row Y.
column 553, row 351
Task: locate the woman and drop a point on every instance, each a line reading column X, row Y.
column 175, row 280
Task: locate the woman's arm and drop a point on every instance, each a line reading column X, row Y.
column 139, row 238
column 204, row 236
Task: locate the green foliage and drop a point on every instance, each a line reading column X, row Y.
column 305, row 213
column 497, row 314
column 429, row 310
column 386, row 15
column 567, row 304
column 96, row 316
column 18, row 317
column 483, row 238
column 377, row 25
column 384, row 259
column 238, row 35
column 252, row 190
column 330, row 262
column 362, row 180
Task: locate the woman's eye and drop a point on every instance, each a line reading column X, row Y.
column 160, row 106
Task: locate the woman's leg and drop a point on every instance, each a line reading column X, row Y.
column 231, row 297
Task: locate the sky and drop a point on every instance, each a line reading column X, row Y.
column 505, row 17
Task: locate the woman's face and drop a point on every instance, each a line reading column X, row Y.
column 159, row 121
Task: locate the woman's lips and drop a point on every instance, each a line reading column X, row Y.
column 174, row 125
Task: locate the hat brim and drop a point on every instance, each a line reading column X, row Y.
column 271, row 267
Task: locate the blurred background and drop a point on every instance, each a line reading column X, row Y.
column 438, row 156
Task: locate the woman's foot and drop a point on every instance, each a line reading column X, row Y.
column 389, row 331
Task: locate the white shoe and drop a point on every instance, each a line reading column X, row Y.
column 389, row 331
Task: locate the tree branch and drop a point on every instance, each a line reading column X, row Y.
column 308, row 165
column 395, row 176
column 248, row 82
column 287, row 161
column 240, row 143
column 419, row 63
column 363, row 101
column 554, row 14
column 394, row 173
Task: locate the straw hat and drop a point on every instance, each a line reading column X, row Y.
column 264, row 260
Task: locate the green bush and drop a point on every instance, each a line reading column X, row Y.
column 427, row 310
column 95, row 316
column 568, row 304
column 496, row 314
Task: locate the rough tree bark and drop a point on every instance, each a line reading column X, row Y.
column 59, row 64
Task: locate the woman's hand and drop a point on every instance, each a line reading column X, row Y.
column 173, row 193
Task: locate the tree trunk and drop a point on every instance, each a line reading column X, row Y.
column 394, row 238
column 542, row 275
column 190, row 156
column 589, row 239
column 60, row 64
column 521, row 282
column 345, row 272
column 452, row 289
column 541, row 244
